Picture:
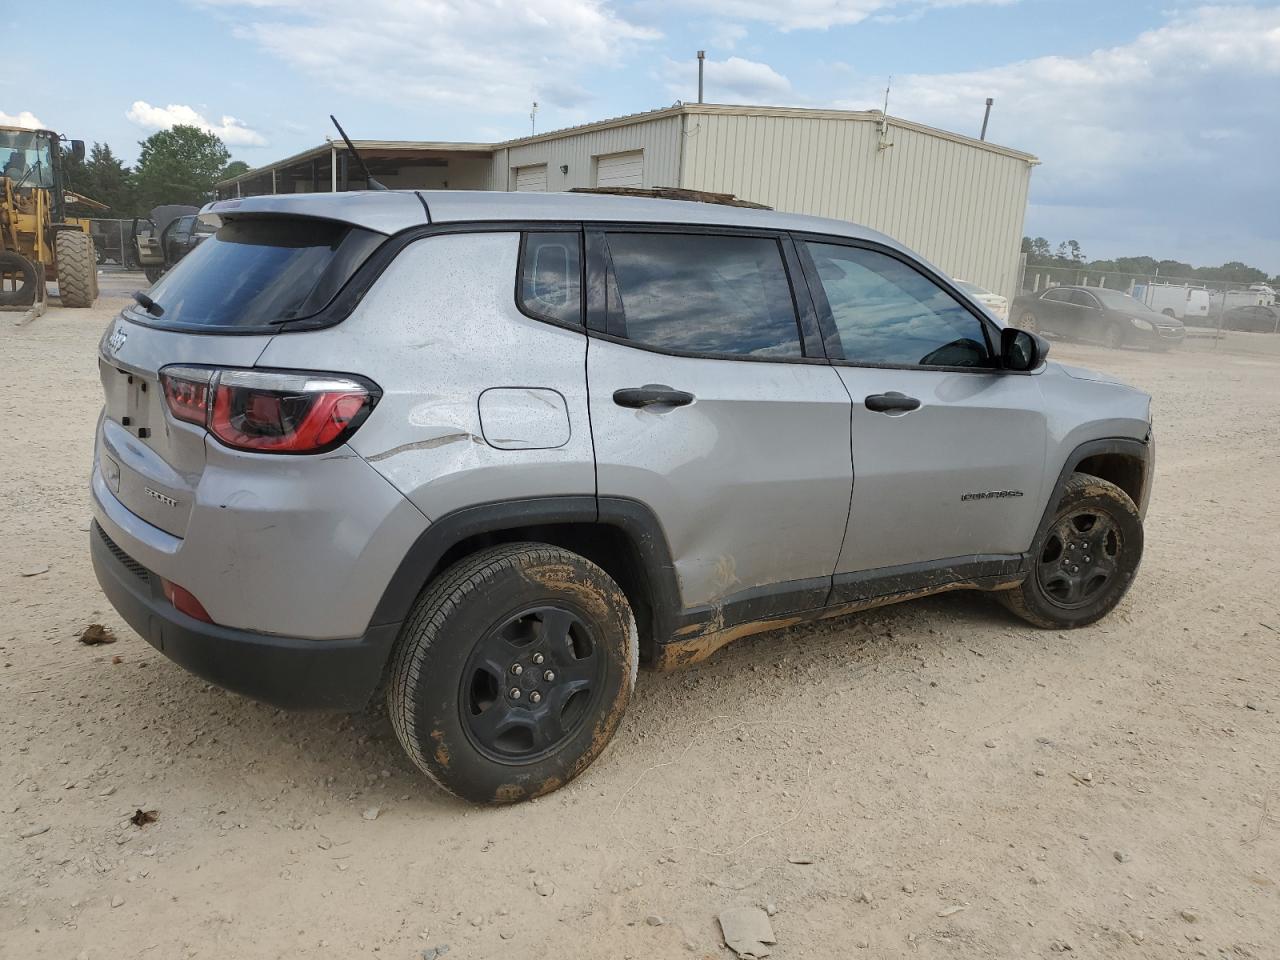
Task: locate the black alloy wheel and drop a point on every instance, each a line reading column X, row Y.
column 530, row 683
column 1080, row 556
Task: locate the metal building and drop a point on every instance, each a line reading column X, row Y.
column 958, row 201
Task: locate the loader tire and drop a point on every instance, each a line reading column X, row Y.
column 19, row 267
column 77, row 268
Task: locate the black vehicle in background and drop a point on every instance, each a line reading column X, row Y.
column 1253, row 319
column 168, row 235
column 1095, row 313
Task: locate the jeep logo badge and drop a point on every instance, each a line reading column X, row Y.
column 116, row 340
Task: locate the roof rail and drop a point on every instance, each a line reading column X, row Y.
column 673, row 193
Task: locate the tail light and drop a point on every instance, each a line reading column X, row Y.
column 269, row 411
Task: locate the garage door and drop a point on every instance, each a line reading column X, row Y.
column 532, row 178
column 621, row 170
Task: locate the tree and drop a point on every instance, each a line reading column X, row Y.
column 233, row 169
column 179, row 165
column 102, row 177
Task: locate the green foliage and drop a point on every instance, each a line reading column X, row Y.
column 234, row 169
column 179, row 165
column 102, row 177
column 1069, row 254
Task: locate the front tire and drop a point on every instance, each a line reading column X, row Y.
column 1113, row 337
column 512, row 672
column 1086, row 559
column 77, row 268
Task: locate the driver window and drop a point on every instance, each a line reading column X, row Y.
column 885, row 312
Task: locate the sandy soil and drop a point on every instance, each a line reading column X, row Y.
column 1115, row 791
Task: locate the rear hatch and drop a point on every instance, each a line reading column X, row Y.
column 219, row 307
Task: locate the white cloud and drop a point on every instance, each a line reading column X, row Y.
column 1143, row 105
column 233, row 132
column 821, row 14
column 488, row 55
column 23, row 118
column 1171, row 135
column 734, row 80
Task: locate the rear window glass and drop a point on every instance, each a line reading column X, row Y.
column 259, row 272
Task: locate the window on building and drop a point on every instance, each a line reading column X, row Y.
column 886, row 312
column 551, row 277
column 696, row 293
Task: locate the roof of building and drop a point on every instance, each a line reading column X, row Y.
column 408, row 149
column 389, row 211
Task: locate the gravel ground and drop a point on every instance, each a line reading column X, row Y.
column 1115, row 791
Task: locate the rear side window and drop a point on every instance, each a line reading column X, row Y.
column 551, row 277
column 696, row 293
column 260, row 272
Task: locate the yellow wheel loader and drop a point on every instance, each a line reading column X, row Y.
column 38, row 241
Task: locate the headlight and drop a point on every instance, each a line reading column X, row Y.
column 1140, row 323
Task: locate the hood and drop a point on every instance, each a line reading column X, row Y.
column 1083, row 373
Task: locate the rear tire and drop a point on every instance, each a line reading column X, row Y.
column 1028, row 323
column 1085, row 561
column 77, row 268
column 153, row 273
column 512, row 672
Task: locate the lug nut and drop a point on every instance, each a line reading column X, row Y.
column 1075, row 569
column 1087, row 560
column 549, row 676
column 537, row 658
column 514, row 693
column 535, row 697
column 517, row 669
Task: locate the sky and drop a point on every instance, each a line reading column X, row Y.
column 1156, row 123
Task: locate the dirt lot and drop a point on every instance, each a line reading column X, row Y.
column 1115, row 791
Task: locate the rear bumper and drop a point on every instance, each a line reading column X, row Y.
column 283, row 671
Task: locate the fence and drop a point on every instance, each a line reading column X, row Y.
column 1215, row 304
column 113, row 241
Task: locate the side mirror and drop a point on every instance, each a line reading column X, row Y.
column 77, row 150
column 1021, row 350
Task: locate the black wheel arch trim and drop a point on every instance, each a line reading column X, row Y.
column 1127, row 446
column 635, row 520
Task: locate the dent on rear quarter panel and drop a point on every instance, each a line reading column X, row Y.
column 438, row 329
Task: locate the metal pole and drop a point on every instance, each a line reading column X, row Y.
column 702, row 59
column 985, row 118
column 333, row 168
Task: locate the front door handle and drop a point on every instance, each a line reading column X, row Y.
column 651, row 395
column 891, row 402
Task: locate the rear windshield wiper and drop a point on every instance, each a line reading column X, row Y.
column 148, row 304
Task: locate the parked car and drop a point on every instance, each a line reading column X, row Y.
column 1095, row 313
column 992, row 301
column 168, row 235
column 491, row 451
column 1255, row 319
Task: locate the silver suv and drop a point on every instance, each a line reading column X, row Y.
column 490, row 451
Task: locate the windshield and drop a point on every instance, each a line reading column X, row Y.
column 26, row 153
column 259, row 272
column 1120, row 301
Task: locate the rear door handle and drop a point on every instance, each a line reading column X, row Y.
column 891, row 402
column 651, row 395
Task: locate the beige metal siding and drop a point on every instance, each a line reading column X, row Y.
column 579, row 152
column 959, row 205
column 621, row 170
